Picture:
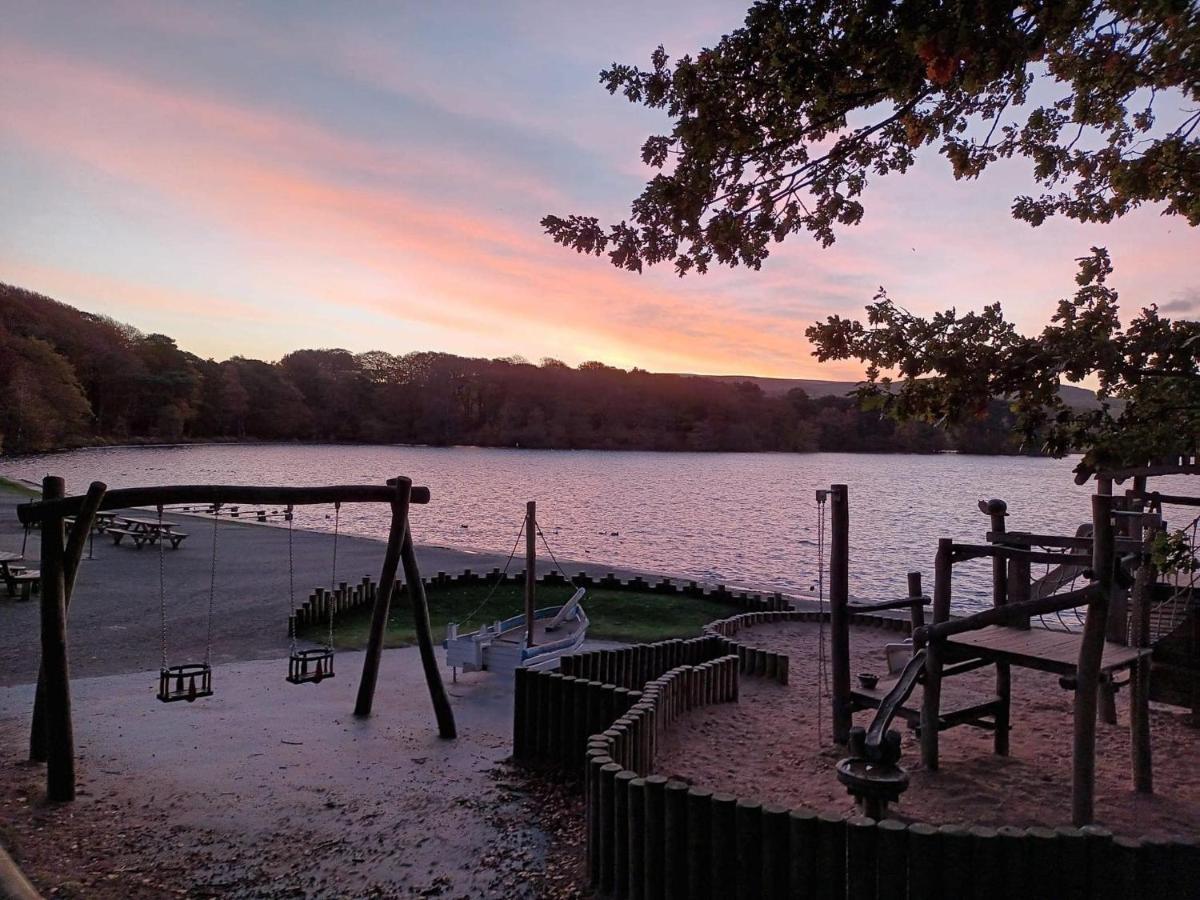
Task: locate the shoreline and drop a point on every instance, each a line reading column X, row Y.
column 151, row 444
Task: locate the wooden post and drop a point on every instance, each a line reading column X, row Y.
column 802, row 843
column 80, row 533
column 383, row 600
column 655, row 837
column 931, row 702
column 916, row 611
column 637, row 839
column 1117, row 629
column 722, row 858
column 891, row 860
column 997, row 511
column 861, row 858
column 1139, row 684
column 1087, row 671
column 60, row 738
column 774, row 851
column 675, row 841
column 699, row 809
column 747, row 831
column 607, row 840
column 383, row 603
column 839, row 618
column 530, row 568
column 420, row 614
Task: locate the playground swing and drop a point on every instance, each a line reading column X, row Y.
column 187, row 681
column 313, row 664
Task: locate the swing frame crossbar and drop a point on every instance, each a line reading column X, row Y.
column 52, row 734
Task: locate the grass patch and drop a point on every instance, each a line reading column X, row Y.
column 18, row 488
column 614, row 615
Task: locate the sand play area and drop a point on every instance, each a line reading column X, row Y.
column 764, row 748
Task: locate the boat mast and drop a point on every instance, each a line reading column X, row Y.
column 530, row 567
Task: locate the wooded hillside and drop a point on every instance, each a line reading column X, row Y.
column 70, row 378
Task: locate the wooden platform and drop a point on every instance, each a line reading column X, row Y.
column 961, row 706
column 1037, row 648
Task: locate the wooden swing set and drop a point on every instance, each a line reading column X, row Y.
column 52, row 735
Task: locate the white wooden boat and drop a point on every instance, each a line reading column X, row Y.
column 503, row 645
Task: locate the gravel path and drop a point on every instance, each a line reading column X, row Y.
column 272, row 790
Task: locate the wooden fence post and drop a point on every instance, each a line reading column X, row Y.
column 699, row 838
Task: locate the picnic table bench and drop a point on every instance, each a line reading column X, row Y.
column 17, row 578
column 144, row 531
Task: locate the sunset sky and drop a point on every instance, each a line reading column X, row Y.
column 253, row 178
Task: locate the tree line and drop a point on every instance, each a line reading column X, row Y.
column 70, row 378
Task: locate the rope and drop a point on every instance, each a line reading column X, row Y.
column 822, row 676
column 337, row 521
column 162, row 597
column 212, row 583
column 291, row 590
column 545, row 544
column 500, row 577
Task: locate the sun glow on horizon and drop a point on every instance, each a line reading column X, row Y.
column 253, row 181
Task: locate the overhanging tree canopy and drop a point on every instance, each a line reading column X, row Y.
column 780, row 126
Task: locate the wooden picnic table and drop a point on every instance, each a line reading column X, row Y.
column 144, row 531
column 146, row 525
column 17, row 577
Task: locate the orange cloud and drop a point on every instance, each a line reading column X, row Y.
column 341, row 224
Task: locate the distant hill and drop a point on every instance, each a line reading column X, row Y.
column 1079, row 398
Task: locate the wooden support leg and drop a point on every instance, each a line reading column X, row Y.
column 1106, row 700
column 60, row 738
column 420, row 613
column 379, row 615
column 1139, row 727
column 1087, row 672
column 931, row 705
column 932, row 697
column 80, row 532
column 1003, row 719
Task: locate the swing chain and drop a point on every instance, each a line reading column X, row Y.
column 337, row 515
column 822, row 677
column 162, row 594
column 212, row 586
column 291, row 584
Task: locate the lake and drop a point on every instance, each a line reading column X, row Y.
column 744, row 519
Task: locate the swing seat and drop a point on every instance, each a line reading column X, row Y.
column 189, row 682
column 313, row 665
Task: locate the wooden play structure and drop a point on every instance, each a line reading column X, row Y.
column 1124, row 608
column 51, row 735
column 536, row 639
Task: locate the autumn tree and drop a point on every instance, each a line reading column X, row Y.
column 781, row 126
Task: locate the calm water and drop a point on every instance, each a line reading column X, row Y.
column 739, row 518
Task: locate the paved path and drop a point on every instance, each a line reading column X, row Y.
column 114, row 622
